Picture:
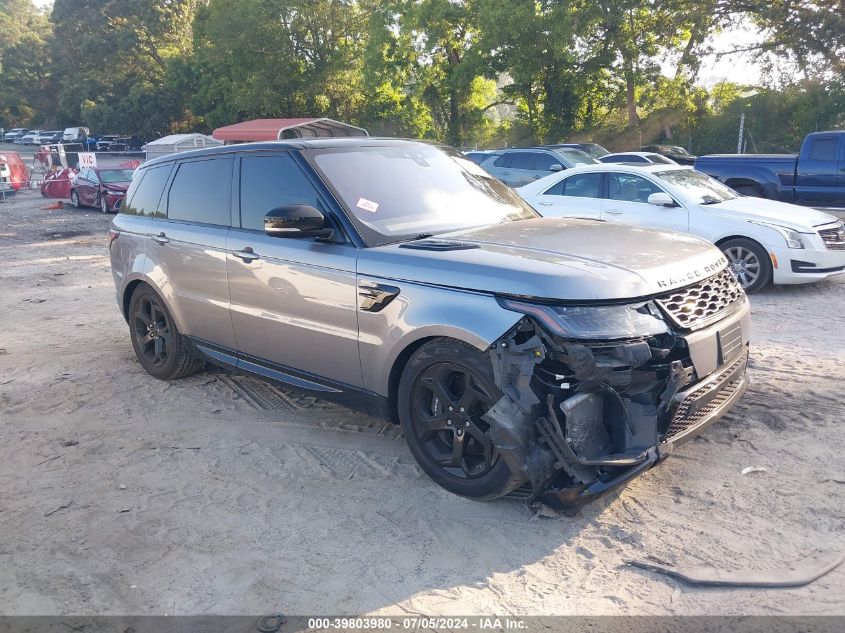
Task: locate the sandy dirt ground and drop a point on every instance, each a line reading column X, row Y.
column 121, row 494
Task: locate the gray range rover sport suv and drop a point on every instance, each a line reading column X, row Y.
column 557, row 358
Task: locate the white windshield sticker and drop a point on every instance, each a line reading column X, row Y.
column 367, row 205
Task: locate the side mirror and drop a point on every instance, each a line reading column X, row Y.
column 556, row 167
column 661, row 199
column 296, row 220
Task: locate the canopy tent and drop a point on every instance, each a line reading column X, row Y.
column 278, row 129
column 178, row 143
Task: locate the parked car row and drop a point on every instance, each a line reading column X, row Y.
column 519, row 166
column 80, row 135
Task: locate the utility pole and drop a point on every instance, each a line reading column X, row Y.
column 741, row 133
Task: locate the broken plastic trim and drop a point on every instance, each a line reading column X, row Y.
column 588, row 421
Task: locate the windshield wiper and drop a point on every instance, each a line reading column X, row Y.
column 711, row 201
column 420, row 236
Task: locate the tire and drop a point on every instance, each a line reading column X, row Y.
column 74, row 199
column 159, row 346
column 447, row 373
column 742, row 255
column 103, row 203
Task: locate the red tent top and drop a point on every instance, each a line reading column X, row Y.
column 278, row 129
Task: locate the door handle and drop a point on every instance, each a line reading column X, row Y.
column 613, row 212
column 246, row 255
column 161, row 238
column 545, row 204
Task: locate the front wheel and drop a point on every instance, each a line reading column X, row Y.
column 749, row 262
column 104, row 204
column 445, row 389
column 74, row 198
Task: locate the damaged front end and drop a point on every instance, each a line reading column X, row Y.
column 596, row 394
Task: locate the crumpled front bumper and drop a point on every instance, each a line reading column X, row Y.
column 695, row 409
column 617, row 408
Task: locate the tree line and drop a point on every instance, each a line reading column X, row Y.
column 468, row 72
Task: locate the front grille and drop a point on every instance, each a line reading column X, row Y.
column 697, row 306
column 834, row 239
column 720, row 389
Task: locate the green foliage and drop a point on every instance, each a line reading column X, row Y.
column 470, row 72
column 25, row 68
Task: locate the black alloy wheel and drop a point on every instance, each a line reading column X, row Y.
column 446, row 388
column 159, row 346
column 152, row 330
column 448, row 403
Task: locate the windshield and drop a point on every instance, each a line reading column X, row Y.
column 674, row 149
column 575, row 157
column 116, row 175
column 399, row 192
column 595, row 150
column 698, row 187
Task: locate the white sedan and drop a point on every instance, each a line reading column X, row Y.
column 764, row 240
column 637, row 157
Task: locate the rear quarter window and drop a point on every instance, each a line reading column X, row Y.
column 144, row 195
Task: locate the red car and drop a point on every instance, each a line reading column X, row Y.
column 102, row 188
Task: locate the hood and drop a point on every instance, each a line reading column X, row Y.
column 791, row 216
column 551, row 258
column 117, row 186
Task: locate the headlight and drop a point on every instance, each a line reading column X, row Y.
column 593, row 322
column 793, row 238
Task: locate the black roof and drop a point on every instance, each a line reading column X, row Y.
column 298, row 143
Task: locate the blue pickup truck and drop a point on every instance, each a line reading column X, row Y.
column 815, row 177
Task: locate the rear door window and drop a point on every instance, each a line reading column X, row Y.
column 578, row 186
column 272, row 181
column 200, row 192
column 145, row 193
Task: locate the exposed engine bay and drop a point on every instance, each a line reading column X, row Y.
column 581, row 416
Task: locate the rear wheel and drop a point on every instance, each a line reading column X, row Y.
column 159, row 346
column 749, row 262
column 445, row 389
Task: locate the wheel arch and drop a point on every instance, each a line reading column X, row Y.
column 396, row 373
column 728, row 238
column 132, row 286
